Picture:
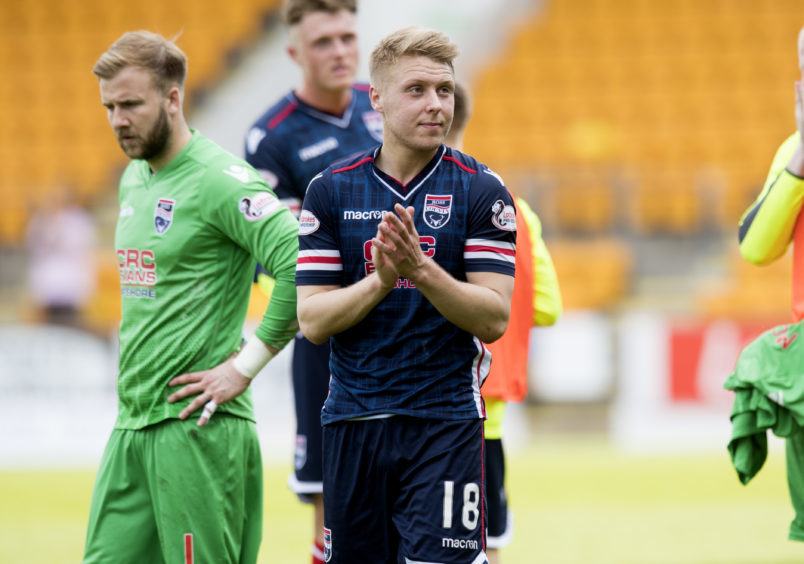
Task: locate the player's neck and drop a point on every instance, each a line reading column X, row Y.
column 179, row 137
column 332, row 102
column 402, row 163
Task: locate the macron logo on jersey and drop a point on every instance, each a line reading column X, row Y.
column 318, row 149
column 238, row 172
column 363, row 215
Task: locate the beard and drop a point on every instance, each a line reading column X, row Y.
column 153, row 143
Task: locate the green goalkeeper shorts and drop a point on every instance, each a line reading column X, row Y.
column 178, row 493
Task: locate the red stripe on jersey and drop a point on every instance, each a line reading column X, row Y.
column 188, row 548
column 362, row 87
column 350, row 167
column 459, row 163
column 479, row 248
column 325, row 260
column 286, row 111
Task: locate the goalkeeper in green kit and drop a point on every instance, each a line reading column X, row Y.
column 181, row 477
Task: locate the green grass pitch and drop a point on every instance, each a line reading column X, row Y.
column 575, row 500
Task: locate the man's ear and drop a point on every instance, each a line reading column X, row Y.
column 292, row 53
column 174, row 100
column 374, row 96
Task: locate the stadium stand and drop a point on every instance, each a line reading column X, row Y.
column 52, row 129
column 648, row 119
column 623, row 119
column 675, row 86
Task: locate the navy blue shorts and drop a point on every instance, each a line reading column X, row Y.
column 310, row 389
column 500, row 527
column 403, row 489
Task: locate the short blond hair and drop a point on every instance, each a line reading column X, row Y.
column 293, row 11
column 411, row 41
column 147, row 50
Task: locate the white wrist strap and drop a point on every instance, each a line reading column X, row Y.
column 252, row 357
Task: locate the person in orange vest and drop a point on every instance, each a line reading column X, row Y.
column 766, row 229
column 536, row 301
column 774, row 220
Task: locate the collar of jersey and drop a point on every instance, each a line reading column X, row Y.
column 405, row 192
column 338, row 121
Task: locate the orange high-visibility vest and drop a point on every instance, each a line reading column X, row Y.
column 508, row 377
column 798, row 269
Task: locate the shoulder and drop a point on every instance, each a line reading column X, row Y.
column 352, row 164
column 222, row 169
column 480, row 174
column 272, row 123
column 277, row 114
column 230, row 183
column 340, row 172
column 461, row 161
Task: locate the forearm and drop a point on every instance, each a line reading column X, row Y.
column 279, row 323
column 766, row 230
column 476, row 308
column 766, row 227
column 324, row 312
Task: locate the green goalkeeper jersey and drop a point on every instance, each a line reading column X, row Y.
column 188, row 238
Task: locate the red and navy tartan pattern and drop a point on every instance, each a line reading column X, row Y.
column 404, row 357
column 295, row 141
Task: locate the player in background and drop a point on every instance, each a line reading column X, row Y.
column 766, row 230
column 193, row 219
column 536, row 301
column 406, row 261
column 328, row 117
column 774, row 220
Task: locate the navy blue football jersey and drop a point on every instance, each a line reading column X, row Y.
column 292, row 142
column 405, row 357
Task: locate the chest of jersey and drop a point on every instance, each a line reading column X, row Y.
column 316, row 144
column 440, row 217
column 160, row 232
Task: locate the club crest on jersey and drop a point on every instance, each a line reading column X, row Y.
column 503, row 216
column 327, row 544
column 437, row 210
column 258, row 206
column 163, row 214
column 373, row 122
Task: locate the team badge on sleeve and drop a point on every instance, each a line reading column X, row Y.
column 163, row 214
column 308, row 223
column 258, row 206
column 503, row 216
column 437, row 210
